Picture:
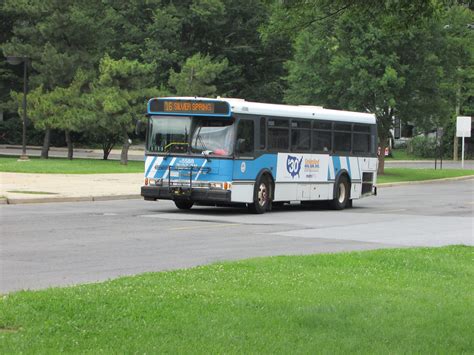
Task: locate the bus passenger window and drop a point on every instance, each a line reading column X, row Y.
column 361, row 143
column 278, row 134
column 245, row 138
column 322, row 141
column 342, row 142
column 263, row 133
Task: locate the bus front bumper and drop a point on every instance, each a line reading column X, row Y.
column 153, row 193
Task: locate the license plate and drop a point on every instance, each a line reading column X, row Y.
column 174, row 173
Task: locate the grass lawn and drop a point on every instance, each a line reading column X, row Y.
column 407, row 174
column 401, row 154
column 387, row 301
column 65, row 166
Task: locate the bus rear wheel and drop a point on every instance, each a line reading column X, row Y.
column 341, row 197
column 184, row 204
column 261, row 196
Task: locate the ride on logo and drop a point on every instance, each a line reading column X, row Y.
column 293, row 165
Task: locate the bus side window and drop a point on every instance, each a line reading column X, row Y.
column 245, row 138
column 263, row 133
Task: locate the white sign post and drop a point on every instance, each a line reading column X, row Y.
column 463, row 129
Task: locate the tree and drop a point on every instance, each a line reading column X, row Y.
column 59, row 108
column 293, row 16
column 59, row 37
column 457, row 32
column 118, row 97
column 361, row 65
column 197, row 76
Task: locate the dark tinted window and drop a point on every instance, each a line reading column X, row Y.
column 278, row 123
column 361, row 128
column 301, row 124
column 263, row 132
column 245, row 138
column 361, row 143
column 342, row 127
column 322, row 125
column 300, row 140
column 342, row 142
column 278, row 138
column 321, row 141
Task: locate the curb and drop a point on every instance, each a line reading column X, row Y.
column 21, row 201
column 432, row 181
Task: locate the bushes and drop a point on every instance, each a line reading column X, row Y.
column 423, row 147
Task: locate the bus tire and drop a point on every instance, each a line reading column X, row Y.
column 261, row 196
column 341, row 195
column 184, row 204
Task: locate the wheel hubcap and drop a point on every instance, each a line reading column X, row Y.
column 342, row 193
column 262, row 194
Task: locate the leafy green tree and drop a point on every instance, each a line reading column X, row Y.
column 197, row 76
column 118, row 97
column 59, row 37
column 293, row 16
column 456, row 30
column 59, row 109
column 367, row 66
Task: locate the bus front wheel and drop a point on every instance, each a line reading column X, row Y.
column 341, row 196
column 184, row 204
column 261, row 196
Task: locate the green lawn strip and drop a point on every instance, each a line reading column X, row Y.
column 65, row 166
column 408, row 174
column 402, row 154
column 387, row 301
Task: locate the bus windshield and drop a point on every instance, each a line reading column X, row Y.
column 186, row 135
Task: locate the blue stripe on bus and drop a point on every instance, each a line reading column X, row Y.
column 150, row 166
column 337, row 164
column 348, row 165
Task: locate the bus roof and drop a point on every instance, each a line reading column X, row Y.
column 294, row 111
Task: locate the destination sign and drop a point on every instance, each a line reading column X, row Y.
column 188, row 107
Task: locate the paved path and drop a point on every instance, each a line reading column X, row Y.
column 68, row 243
column 21, row 188
column 135, row 153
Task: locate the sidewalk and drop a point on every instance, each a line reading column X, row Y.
column 135, row 152
column 18, row 188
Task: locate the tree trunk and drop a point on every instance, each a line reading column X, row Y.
column 46, row 142
column 106, row 148
column 108, row 144
column 383, row 145
column 70, row 150
column 126, row 145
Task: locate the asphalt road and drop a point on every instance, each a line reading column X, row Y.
column 68, row 243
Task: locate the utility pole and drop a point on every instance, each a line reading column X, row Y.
column 458, row 108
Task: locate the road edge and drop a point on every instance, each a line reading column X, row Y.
column 20, row 201
column 431, row 181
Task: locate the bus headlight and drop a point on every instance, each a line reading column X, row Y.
column 220, row 185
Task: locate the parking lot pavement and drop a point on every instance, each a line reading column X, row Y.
column 69, row 243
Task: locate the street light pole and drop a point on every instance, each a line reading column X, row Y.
column 25, row 92
column 15, row 60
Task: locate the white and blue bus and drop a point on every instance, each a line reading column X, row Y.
column 232, row 152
